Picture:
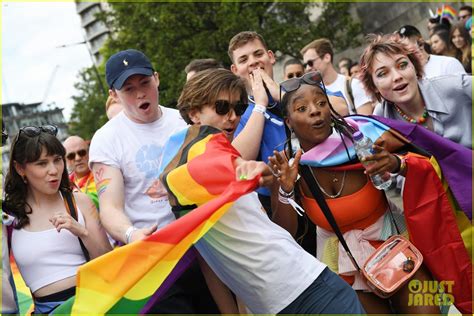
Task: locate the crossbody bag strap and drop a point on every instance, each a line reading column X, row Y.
column 70, row 204
column 318, row 196
column 391, row 214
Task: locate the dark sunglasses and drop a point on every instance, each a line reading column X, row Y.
column 32, row 131
column 72, row 155
column 294, row 75
column 312, row 78
column 223, row 107
column 310, row 62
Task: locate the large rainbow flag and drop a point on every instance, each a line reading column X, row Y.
column 437, row 215
column 130, row 279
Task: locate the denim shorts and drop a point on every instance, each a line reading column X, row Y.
column 328, row 294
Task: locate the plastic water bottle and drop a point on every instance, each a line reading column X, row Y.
column 363, row 147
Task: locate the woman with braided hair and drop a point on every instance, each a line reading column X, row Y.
column 360, row 210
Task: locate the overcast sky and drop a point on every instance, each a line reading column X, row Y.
column 30, row 34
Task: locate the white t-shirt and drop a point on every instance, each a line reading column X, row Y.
column 442, row 65
column 136, row 149
column 257, row 259
column 360, row 97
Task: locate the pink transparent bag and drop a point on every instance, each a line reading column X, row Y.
column 391, row 266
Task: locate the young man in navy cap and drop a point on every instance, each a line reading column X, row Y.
column 124, row 156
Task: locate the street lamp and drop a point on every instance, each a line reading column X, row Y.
column 99, row 78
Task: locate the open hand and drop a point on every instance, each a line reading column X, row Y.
column 285, row 174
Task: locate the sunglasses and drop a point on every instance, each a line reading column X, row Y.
column 33, row 131
column 312, row 78
column 72, row 155
column 294, row 75
column 310, row 62
column 223, row 107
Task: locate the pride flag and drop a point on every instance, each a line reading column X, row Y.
column 437, row 197
column 131, row 278
column 447, row 11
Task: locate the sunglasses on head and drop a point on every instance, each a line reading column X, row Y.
column 312, row 78
column 72, row 155
column 33, row 131
column 223, row 107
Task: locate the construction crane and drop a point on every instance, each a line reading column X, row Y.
column 49, row 85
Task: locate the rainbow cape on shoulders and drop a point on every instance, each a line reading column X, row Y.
column 437, row 197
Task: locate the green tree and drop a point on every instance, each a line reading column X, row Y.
column 172, row 34
column 88, row 113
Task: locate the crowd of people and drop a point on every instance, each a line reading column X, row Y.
column 273, row 251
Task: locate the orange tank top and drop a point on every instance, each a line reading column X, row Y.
column 358, row 210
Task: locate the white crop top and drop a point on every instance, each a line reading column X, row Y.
column 45, row 257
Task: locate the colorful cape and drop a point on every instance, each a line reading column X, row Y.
column 436, row 226
column 131, row 278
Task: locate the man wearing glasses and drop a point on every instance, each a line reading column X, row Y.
column 465, row 12
column 318, row 56
column 77, row 159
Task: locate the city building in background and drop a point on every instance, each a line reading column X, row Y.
column 16, row 116
column 96, row 32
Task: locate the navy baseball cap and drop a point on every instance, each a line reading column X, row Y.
column 124, row 64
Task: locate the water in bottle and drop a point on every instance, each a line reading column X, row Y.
column 363, row 147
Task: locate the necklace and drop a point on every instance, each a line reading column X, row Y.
column 410, row 119
column 322, row 189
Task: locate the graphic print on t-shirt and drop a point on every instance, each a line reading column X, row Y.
column 147, row 161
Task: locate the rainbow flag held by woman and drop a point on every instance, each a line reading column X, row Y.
column 130, row 278
column 437, row 197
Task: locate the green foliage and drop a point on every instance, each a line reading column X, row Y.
column 88, row 113
column 173, row 34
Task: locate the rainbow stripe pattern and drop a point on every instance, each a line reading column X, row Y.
column 130, row 278
column 438, row 211
column 447, row 11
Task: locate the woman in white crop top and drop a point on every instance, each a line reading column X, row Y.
column 45, row 241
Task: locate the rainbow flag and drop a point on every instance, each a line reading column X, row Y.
column 432, row 207
column 25, row 302
column 447, row 11
column 131, row 278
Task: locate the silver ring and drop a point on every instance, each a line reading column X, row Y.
column 276, row 174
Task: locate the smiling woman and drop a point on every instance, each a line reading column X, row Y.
column 392, row 74
column 46, row 241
